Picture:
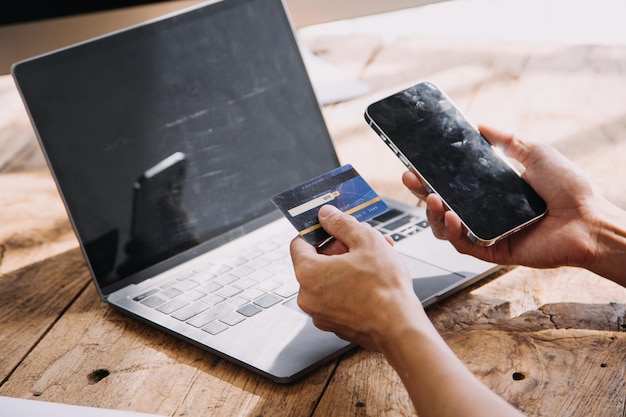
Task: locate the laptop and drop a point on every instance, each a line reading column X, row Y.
column 167, row 141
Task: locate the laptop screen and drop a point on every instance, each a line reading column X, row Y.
column 168, row 136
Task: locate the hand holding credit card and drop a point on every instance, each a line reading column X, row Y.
column 342, row 187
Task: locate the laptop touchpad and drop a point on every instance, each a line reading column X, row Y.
column 430, row 281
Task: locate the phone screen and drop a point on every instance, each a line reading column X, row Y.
column 431, row 136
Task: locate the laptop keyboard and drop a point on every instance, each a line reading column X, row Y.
column 398, row 224
column 224, row 292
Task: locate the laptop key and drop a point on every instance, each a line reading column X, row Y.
column 185, row 276
column 259, row 263
column 212, row 299
column 288, row 289
column 235, row 262
column 186, row 285
column 398, row 223
column 193, row 295
column 146, row 294
column 233, row 318
column 210, row 287
column 268, row 285
column 217, row 269
column 168, row 284
column 170, row 293
column 285, row 277
column 203, row 276
column 252, row 254
column 267, row 300
column 268, row 246
column 252, row 293
column 229, row 292
column 225, row 279
column 396, row 237
column 245, row 283
column 249, row 310
column 215, row 327
column 237, row 301
column 275, row 256
column 172, row 306
column 189, row 311
column 278, row 267
column 210, row 315
column 242, row 271
column 388, row 215
column 153, row 301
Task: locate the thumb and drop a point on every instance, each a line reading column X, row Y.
column 339, row 225
column 513, row 146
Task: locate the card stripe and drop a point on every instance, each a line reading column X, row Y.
column 352, row 210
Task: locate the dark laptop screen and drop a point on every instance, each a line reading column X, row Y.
column 164, row 137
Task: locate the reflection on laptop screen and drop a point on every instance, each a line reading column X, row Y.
column 170, row 135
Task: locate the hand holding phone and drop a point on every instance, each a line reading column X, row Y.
column 432, row 138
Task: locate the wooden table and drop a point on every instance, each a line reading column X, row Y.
column 551, row 342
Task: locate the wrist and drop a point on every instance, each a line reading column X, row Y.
column 608, row 243
column 412, row 324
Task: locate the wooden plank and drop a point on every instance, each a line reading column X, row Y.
column 35, row 224
column 558, row 351
column 32, row 299
column 18, row 145
column 95, row 356
column 34, row 292
column 556, row 373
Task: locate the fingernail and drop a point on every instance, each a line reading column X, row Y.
column 327, row 210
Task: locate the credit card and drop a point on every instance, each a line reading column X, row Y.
column 342, row 187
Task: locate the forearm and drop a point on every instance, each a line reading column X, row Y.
column 438, row 383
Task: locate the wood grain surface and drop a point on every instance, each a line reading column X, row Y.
column 551, row 342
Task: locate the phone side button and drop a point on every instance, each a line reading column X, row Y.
column 377, row 130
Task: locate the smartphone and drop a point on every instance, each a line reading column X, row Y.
column 432, row 138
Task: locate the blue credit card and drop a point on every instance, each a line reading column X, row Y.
column 342, row 187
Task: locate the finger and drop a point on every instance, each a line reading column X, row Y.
column 533, row 156
column 456, row 234
column 301, row 251
column 454, row 230
column 495, row 136
column 332, row 247
column 414, row 184
column 435, row 211
column 514, row 146
column 343, row 227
